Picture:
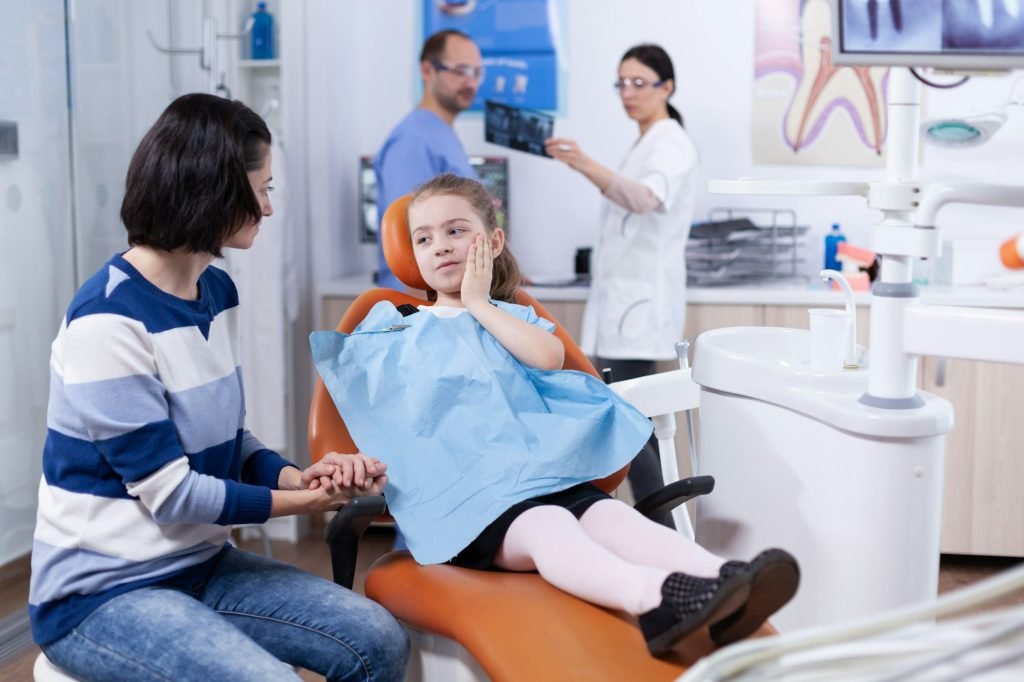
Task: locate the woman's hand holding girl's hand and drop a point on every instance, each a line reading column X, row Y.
column 330, row 483
column 476, row 280
column 331, row 496
column 357, row 471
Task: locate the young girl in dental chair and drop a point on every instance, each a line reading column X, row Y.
column 491, row 446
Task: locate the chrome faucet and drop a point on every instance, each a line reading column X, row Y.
column 850, row 356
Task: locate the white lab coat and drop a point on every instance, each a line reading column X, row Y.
column 637, row 301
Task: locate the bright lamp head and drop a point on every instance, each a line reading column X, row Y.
column 963, row 132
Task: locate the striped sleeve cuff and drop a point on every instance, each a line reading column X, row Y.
column 263, row 467
column 244, row 504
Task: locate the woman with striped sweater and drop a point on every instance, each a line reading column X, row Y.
column 147, row 461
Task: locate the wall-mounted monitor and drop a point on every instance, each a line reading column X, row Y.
column 492, row 170
column 958, row 35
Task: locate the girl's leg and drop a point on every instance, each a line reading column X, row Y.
column 630, row 535
column 307, row 621
column 771, row 578
column 162, row 634
column 551, row 541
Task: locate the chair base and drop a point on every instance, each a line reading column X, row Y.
column 438, row 659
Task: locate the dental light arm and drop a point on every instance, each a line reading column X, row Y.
column 936, row 196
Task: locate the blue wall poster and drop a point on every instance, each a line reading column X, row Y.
column 517, row 42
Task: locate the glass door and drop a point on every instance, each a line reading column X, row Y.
column 37, row 274
column 80, row 83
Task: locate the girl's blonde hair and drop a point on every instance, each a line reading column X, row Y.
column 506, row 278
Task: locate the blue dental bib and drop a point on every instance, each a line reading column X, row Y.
column 465, row 428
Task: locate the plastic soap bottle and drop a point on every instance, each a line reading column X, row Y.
column 831, row 244
column 262, row 33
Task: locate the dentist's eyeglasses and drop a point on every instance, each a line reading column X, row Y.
column 635, row 83
column 462, row 70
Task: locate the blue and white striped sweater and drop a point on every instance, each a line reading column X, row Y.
column 145, row 448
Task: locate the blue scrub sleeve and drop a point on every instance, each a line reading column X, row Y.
column 408, row 162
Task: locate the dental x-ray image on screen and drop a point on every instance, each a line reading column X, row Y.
column 940, row 33
column 522, row 129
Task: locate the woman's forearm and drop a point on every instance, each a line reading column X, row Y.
column 291, row 502
column 596, row 173
column 631, row 195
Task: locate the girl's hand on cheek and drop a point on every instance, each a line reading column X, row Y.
column 476, row 281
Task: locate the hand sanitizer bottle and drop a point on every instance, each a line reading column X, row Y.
column 831, row 244
column 262, row 33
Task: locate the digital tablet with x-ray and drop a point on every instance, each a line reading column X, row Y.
column 515, row 128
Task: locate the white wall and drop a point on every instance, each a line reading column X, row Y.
column 362, row 75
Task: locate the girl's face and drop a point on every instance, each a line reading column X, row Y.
column 644, row 102
column 442, row 227
column 260, row 180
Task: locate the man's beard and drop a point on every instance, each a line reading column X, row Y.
column 453, row 103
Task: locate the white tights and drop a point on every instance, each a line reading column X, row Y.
column 613, row 556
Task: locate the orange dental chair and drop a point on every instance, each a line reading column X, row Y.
column 467, row 624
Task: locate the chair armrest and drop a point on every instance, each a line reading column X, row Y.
column 662, row 501
column 343, row 532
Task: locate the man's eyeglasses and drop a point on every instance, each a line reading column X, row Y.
column 635, row 83
column 461, row 70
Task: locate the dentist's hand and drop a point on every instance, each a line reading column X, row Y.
column 567, row 151
column 476, row 280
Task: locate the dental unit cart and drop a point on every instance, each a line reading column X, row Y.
column 851, row 490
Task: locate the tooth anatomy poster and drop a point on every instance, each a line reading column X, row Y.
column 807, row 110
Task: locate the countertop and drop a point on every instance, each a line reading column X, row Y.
column 791, row 292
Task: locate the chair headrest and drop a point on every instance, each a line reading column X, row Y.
column 394, row 231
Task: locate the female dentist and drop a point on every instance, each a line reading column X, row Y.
column 636, row 306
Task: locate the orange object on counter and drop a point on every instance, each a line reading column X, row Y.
column 1012, row 252
column 863, row 256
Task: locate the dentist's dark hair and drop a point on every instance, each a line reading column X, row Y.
column 435, row 46
column 654, row 57
column 506, row 277
column 188, row 183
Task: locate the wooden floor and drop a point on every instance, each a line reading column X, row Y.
column 311, row 555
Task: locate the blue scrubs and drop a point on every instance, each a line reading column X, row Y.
column 421, row 146
column 466, row 429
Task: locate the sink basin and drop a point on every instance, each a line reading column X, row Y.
column 772, row 364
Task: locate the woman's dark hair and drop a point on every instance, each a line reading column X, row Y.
column 654, row 57
column 506, row 277
column 188, row 183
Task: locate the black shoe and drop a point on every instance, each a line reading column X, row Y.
column 688, row 603
column 773, row 576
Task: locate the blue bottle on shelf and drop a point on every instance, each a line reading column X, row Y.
column 831, row 245
column 262, row 33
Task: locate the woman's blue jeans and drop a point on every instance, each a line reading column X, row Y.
column 251, row 618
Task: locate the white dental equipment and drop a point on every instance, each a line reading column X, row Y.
column 850, row 359
column 854, row 481
column 659, row 396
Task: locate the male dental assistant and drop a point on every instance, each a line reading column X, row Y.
column 424, row 144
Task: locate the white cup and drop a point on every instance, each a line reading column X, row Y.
column 829, row 331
